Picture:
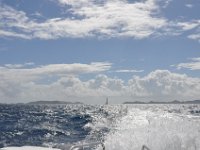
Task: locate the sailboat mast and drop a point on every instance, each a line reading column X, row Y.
column 106, row 101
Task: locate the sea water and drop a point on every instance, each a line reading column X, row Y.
column 118, row 127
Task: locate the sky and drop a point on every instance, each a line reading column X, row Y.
column 88, row 50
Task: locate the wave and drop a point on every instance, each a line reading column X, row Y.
column 118, row 127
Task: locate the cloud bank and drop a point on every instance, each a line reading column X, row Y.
column 65, row 82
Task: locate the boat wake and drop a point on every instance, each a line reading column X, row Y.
column 109, row 127
column 155, row 128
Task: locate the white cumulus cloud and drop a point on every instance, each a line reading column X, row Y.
column 159, row 85
column 163, row 83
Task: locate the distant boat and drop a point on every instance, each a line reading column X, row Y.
column 106, row 101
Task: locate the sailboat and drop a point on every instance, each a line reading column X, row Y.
column 106, row 101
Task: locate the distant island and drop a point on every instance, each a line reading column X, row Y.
column 171, row 102
column 52, row 103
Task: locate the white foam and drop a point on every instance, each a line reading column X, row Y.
column 28, row 148
column 155, row 128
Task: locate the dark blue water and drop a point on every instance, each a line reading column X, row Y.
column 39, row 125
column 119, row 127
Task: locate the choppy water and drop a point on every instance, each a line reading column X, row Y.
column 119, row 127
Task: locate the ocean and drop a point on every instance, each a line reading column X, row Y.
column 118, row 127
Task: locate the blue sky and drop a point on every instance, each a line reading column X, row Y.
column 88, row 50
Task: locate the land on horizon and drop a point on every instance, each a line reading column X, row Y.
column 171, row 102
column 43, row 102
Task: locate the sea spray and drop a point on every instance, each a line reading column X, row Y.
column 156, row 127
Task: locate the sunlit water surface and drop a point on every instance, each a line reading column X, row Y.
column 119, row 127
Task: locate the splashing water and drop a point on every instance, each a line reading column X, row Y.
column 156, row 128
column 119, row 127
